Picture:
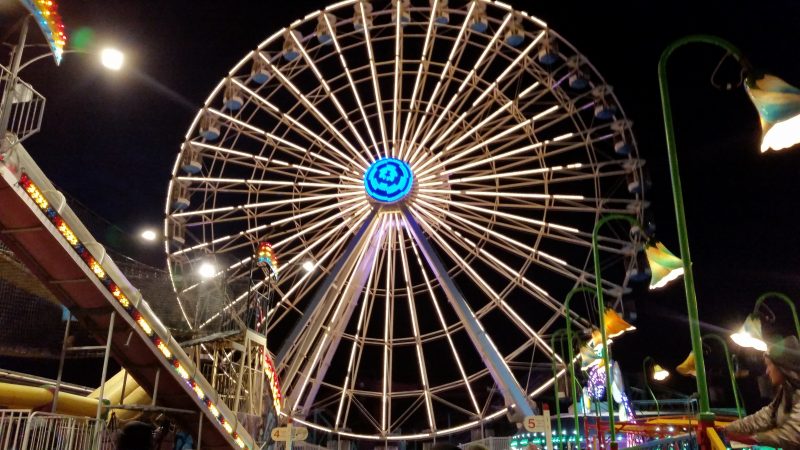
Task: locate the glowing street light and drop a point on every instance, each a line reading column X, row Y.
column 308, row 266
column 207, row 270
column 749, row 335
column 112, row 59
column 660, row 373
column 148, row 235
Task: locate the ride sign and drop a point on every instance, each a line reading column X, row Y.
column 536, row 424
column 281, row 434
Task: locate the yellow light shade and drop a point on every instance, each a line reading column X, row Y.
column 778, row 105
column 660, row 373
column 590, row 357
column 688, row 366
column 664, row 266
column 616, row 325
column 597, row 339
column 749, row 334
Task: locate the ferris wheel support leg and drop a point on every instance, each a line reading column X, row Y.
column 349, row 298
column 511, row 390
column 334, row 278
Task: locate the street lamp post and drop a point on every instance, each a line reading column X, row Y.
column 706, row 417
column 601, row 307
column 570, row 350
column 647, row 384
column 785, row 298
column 558, row 334
column 731, row 372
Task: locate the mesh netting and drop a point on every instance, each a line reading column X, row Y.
column 30, row 321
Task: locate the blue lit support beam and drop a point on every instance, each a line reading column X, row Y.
column 334, row 278
column 349, row 299
column 499, row 370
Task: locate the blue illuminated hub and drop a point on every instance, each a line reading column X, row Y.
column 388, row 180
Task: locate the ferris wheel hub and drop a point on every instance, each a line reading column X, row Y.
column 388, row 180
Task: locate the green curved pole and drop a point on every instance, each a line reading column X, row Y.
column 731, row 372
column 779, row 295
column 570, row 349
column 706, row 415
column 558, row 334
column 601, row 307
column 647, row 384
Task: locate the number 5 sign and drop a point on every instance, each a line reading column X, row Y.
column 540, row 424
column 536, row 424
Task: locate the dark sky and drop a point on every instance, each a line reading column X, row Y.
column 110, row 140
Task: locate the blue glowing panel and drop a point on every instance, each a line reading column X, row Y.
column 388, row 180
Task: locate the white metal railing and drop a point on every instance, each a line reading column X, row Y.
column 12, row 427
column 25, row 430
column 302, row 445
column 26, row 107
column 491, row 443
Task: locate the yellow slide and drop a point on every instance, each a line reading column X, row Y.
column 15, row 396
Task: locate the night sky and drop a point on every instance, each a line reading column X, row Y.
column 109, row 140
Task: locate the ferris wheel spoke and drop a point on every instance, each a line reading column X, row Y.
column 358, row 209
column 544, row 226
column 491, row 88
column 509, row 273
column 228, row 209
column 320, row 117
column 349, row 380
column 373, row 71
column 343, row 264
column 445, row 329
column 499, row 235
column 286, row 301
column 479, row 232
column 290, row 122
column 498, row 33
column 218, row 182
column 352, row 84
column 423, row 372
column 327, row 338
column 388, row 320
column 494, row 296
column 544, row 149
column 398, row 51
column 347, row 303
column 420, row 78
column 334, row 99
column 497, row 366
column 457, row 48
column 275, row 140
column 496, row 137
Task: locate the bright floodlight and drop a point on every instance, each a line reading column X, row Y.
column 308, row 266
column 207, row 270
column 148, row 235
column 749, row 334
column 112, row 58
column 778, row 105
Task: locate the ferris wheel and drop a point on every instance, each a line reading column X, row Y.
column 429, row 175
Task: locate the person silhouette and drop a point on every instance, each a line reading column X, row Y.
column 777, row 424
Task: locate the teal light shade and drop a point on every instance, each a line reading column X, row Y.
column 749, row 334
column 778, row 105
column 664, row 266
